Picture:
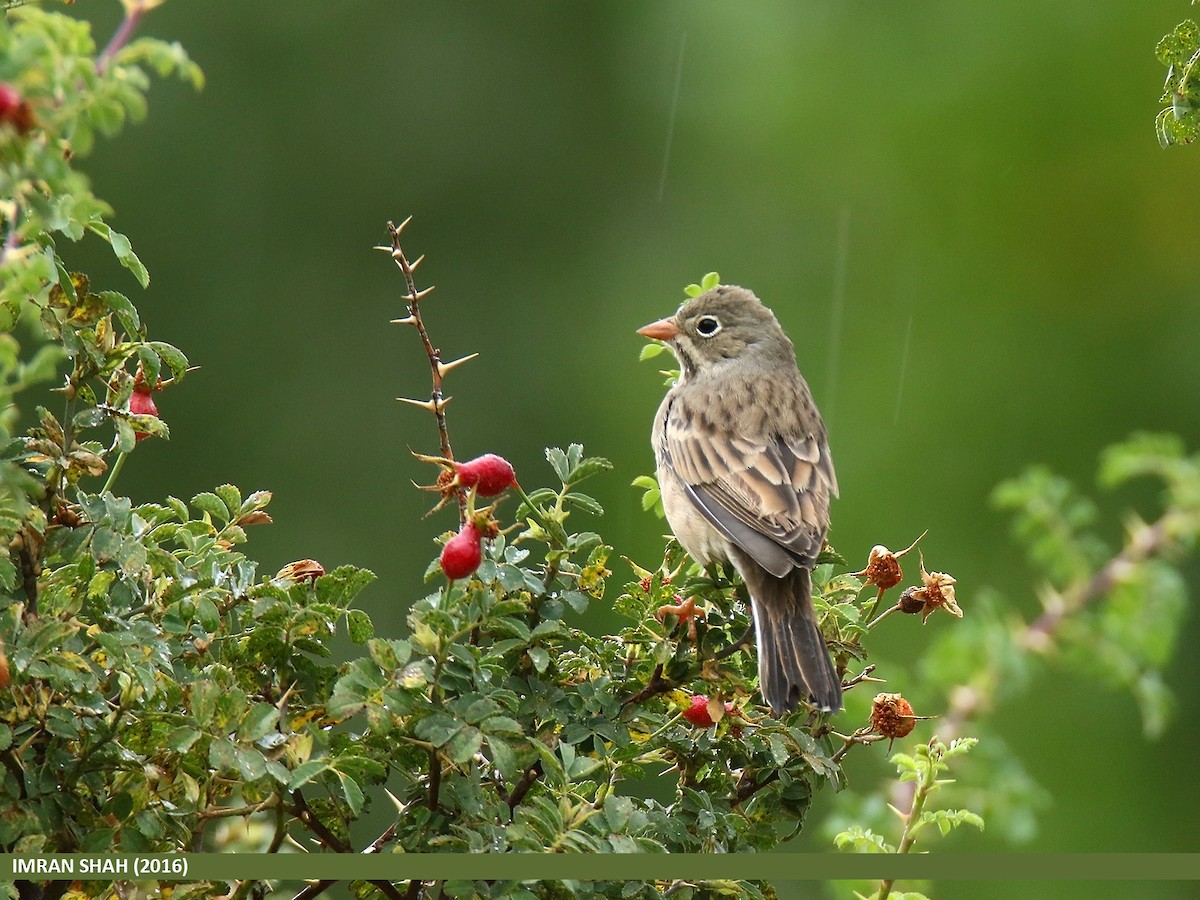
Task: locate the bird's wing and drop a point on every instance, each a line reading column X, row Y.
column 769, row 495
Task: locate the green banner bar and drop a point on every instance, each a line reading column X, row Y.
column 596, row 867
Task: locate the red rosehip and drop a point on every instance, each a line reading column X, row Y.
column 10, row 99
column 488, row 474
column 13, row 109
column 141, row 403
column 463, row 553
column 698, row 713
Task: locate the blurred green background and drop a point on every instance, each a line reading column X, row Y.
column 958, row 211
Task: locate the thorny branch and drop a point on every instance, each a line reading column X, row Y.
column 1038, row 636
column 437, row 401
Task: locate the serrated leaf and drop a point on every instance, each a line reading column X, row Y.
column 540, row 658
column 584, row 502
column 552, row 769
column 259, row 721
column 558, row 462
column 306, row 772
column 352, row 792
column 437, row 728
column 500, row 725
column 359, row 626
column 172, row 356
column 125, row 311
column 210, row 503
column 586, row 468
column 182, row 738
column 464, row 744
column 231, row 497
column 150, row 362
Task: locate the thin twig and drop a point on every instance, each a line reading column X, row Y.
column 521, row 788
column 306, row 815
column 1037, row 636
column 120, row 37
column 656, row 685
column 315, row 889
column 437, row 369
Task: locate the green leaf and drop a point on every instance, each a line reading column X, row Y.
column 222, row 756
column 540, row 658
column 213, row 505
column 707, row 283
column 464, row 744
column 182, row 738
column 500, row 725
column 586, row 468
column 150, row 362
column 231, row 497
column 503, row 758
column 862, row 840
column 172, row 356
column 437, row 728
column 260, row 720
column 584, row 502
column 125, row 311
column 110, row 116
column 617, row 810
column 306, row 772
column 651, row 350
column 352, row 792
column 558, row 462
column 551, row 767
column 359, row 627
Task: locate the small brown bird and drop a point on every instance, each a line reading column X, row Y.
column 746, row 477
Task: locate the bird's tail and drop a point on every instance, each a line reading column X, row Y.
column 793, row 661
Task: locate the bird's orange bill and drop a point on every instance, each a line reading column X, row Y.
column 663, row 330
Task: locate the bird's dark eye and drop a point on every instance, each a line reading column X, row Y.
column 708, row 325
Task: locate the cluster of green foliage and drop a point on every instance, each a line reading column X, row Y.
column 1179, row 51
column 154, row 684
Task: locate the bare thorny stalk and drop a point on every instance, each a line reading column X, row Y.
column 437, row 401
column 436, row 404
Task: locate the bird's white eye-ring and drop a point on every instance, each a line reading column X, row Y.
column 708, row 325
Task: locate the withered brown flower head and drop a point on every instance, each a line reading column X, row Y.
column 936, row 592
column 892, row 716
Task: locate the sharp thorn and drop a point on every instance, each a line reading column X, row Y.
column 443, row 368
column 403, row 225
column 407, row 320
column 412, row 266
column 383, row 248
column 419, row 295
column 424, row 404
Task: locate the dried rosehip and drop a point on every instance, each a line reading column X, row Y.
column 936, row 592
column 883, row 568
column 141, row 403
column 301, row 570
column 463, row 553
column 910, row 603
column 892, row 716
column 488, row 474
